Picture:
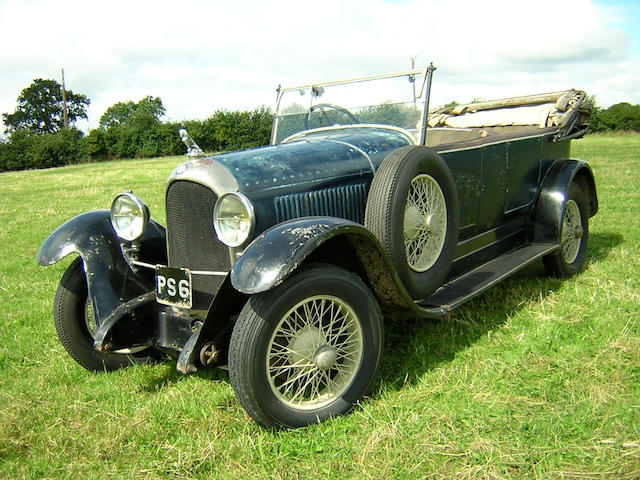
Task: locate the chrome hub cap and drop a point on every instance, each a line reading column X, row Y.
column 314, row 353
column 325, row 357
column 303, row 345
column 425, row 223
column 572, row 231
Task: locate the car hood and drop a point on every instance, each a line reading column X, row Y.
column 308, row 162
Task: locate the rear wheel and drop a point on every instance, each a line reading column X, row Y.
column 75, row 325
column 307, row 350
column 574, row 236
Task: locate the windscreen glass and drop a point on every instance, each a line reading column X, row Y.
column 395, row 101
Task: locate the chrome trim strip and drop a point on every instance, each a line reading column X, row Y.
column 207, row 172
column 211, row 274
column 424, row 123
column 138, row 263
column 419, row 71
column 402, row 131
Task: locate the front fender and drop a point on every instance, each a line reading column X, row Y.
column 547, row 217
column 279, row 251
column 110, row 280
column 89, row 231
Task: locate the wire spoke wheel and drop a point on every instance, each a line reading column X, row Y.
column 307, row 350
column 314, row 353
column 413, row 210
column 89, row 321
column 425, row 223
column 76, row 325
column 573, row 235
column 572, row 231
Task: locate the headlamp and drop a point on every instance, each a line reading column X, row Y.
column 129, row 216
column 233, row 219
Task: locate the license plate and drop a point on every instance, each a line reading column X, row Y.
column 173, row 286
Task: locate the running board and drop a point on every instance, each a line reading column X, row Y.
column 463, row 288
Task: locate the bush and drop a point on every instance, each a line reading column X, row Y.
column 144, row 136
column 141, row 135
column 236, row 130
column 96, row 146
column 26, row 150
column 621, row 116
column 231, row 130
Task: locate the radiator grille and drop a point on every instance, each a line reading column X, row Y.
column 191, row 239
column 347, row 201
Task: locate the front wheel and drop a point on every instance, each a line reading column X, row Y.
column 307, row 350
column 73, row 319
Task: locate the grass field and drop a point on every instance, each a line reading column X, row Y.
column 538, row 378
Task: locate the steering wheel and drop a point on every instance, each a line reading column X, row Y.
column 322, row 108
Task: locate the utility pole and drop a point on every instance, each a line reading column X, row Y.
column 64, row 104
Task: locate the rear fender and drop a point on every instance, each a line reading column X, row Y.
column 111, row 282
column 278, row 252
column 547, row 216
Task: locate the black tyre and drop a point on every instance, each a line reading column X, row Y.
column 574, row 236
column 73, row 319
column 307, row 350
column 412, row 209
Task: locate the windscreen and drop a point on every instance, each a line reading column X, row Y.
column 395, row 101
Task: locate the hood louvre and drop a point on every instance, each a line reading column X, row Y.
column 347, row 201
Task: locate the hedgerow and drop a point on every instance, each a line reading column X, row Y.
column 26, row 150
column 140, row 136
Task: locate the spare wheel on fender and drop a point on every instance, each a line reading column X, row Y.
column 412, row 209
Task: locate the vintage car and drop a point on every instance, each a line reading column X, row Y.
column 278, row 262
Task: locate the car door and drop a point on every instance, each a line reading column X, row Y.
column 494, row 186
column 466, row 167
column 523, row 173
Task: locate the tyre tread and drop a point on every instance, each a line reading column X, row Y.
column 67, row 311
column 378, row 209
column 555, row 264
column 249, row 331
column 245, row 331
column 382, row 211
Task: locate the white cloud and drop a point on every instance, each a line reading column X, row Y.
column 199, row 56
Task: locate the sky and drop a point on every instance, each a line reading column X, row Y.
column 200, row 56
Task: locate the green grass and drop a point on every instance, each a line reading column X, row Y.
column 537, row 378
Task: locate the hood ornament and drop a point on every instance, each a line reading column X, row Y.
column 193, row 150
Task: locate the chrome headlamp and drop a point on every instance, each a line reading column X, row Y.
column 129, row 216
column 233, row 219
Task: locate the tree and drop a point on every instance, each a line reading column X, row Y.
column 124, row 112
column 622, row 116
column 40, row 108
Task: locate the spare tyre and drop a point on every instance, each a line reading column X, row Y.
column 412, row 209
